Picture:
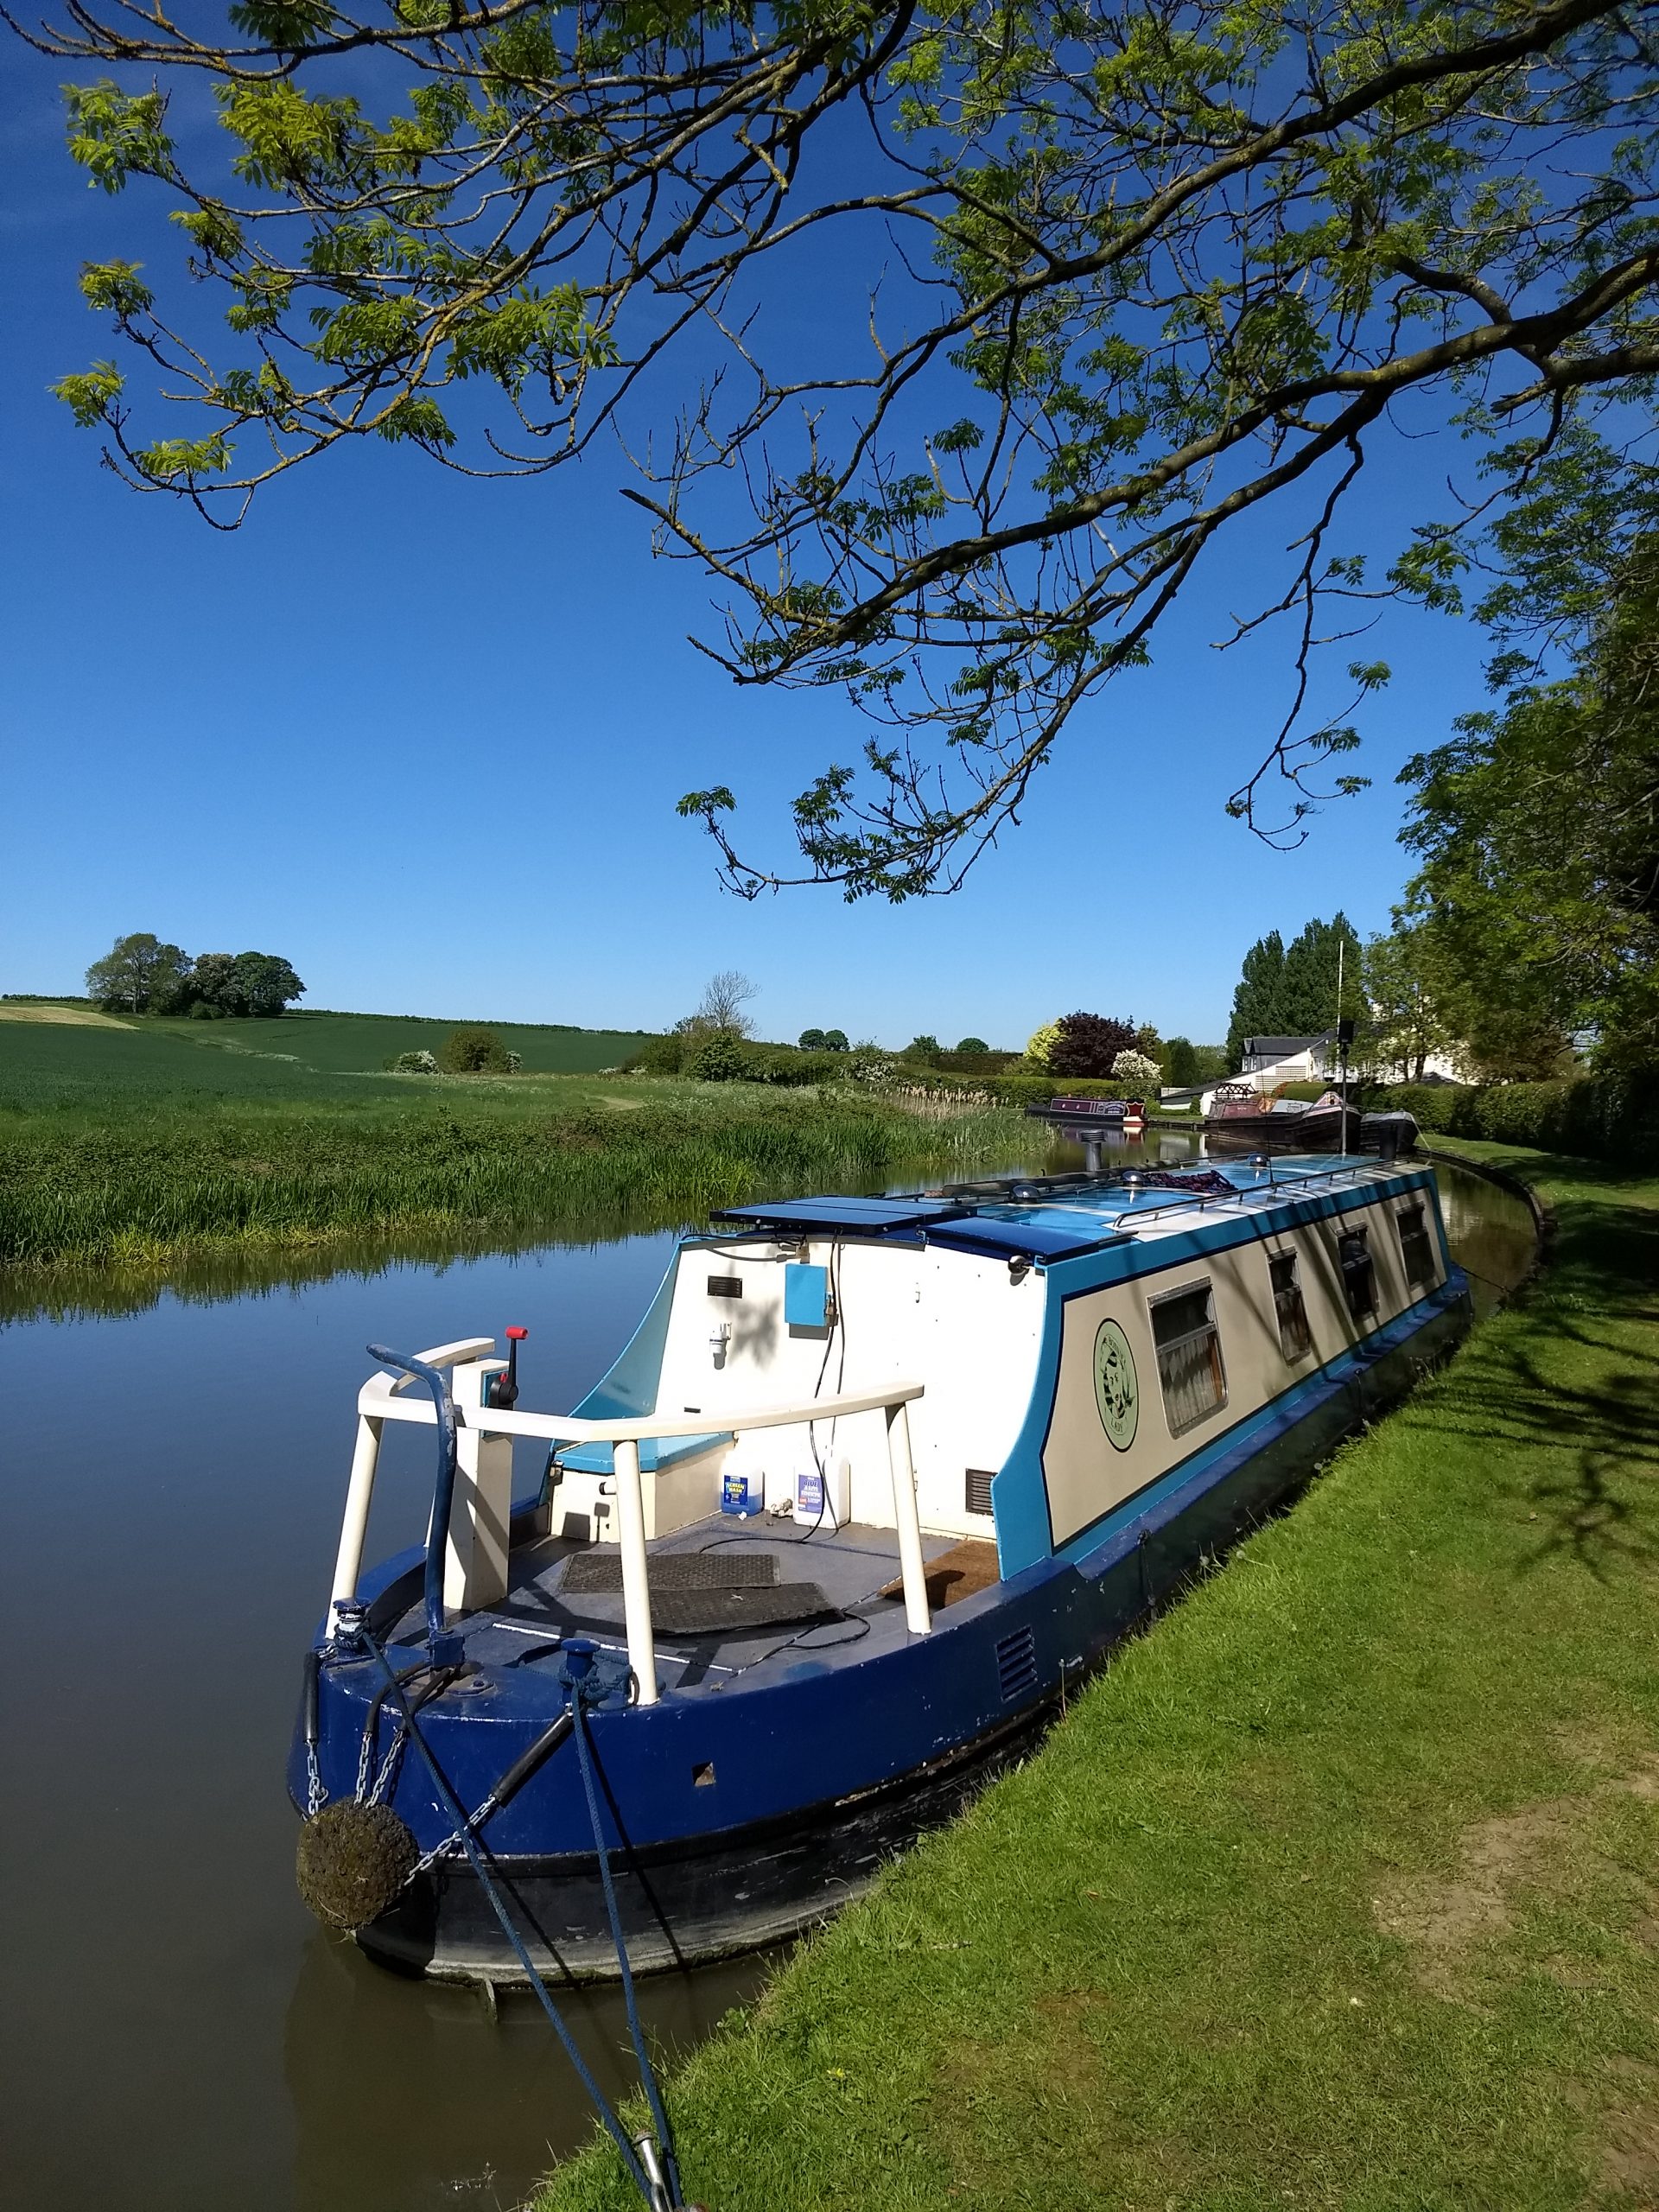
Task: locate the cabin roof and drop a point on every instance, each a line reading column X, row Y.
column 1050, row 1216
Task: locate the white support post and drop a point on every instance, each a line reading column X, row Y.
column 918, row 1618
column 476, row 1558
column 636, row 1589
column 359, row 1496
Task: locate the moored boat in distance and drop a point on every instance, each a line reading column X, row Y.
column 874, row 1483
column 1241, row 1118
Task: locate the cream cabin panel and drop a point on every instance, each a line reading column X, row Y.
column 1086, row 1473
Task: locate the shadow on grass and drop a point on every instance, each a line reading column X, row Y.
column 1569, row 1391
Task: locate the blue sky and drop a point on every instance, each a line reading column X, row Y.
column 424, row 736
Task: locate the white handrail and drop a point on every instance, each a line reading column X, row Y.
column 375, row 1402
column 379, row 1402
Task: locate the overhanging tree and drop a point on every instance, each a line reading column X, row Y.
column 1149, row 271
column 1537, row 829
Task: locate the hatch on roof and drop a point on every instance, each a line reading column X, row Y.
column 865, row 1217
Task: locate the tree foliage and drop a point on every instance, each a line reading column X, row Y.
column 1537, row 829
column 1137, row 1071
column 1182, row 1067
column 138, row 975
column 1089, row 1044
column 1293, row 990
column 1149, row 271
column 1413, row 1005
column 142, row 975
column 474, row 1051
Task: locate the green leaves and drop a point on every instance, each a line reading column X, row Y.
column 115, row 286
column 288, row 25
column 92, row 396
column 531, row 333
column 183, row 461
column 115, row 135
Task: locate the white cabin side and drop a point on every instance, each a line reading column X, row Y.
column 957, row 1320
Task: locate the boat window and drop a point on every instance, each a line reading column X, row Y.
column 1295, row 1337
column 1189, row 1357
column 1416, row 1247
column 1359, row 1273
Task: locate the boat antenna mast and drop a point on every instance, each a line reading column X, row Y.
column 1345, row 1039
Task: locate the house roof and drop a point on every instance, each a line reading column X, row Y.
column 1285, row 1048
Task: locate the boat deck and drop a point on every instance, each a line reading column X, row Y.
column 727, row 1597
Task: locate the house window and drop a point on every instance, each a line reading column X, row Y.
column 1359, row 1273
column 1295, row 1337
column 1189, row 1357
column 1416, row 1247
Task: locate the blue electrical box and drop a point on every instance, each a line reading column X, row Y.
column 806, row 1297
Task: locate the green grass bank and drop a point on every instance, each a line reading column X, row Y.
column 135, row 1152
column 1340, row 1888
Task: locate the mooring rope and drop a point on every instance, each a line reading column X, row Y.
column 578, row 1686
column 636, row 2168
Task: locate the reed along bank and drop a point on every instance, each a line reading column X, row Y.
column 135, row 1181
column 1337, row 1888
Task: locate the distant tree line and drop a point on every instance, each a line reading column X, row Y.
column 140, row 973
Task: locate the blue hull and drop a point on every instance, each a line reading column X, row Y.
column 740, row 1814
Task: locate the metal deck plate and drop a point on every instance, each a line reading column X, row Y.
column 717, row 1612
column 591, row 1572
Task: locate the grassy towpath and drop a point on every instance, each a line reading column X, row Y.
column 1339, row 1889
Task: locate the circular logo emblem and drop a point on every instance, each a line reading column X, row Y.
column 1116, row 1392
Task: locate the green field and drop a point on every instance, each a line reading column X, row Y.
column 144, row 1149
column 1337, row 1890
column 42, row 1061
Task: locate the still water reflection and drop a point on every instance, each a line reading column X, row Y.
column 176, row 2034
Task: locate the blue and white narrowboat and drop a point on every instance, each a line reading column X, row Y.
column 875, row 1484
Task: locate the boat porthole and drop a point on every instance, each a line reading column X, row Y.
column 1117, row 1392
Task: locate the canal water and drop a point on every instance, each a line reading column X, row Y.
column 176, row 2033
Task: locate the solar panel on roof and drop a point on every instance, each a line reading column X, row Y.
column 876, row 1215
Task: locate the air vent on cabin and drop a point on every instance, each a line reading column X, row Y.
column 979, row 1490
column 1016, row 1664
column 725, row 1286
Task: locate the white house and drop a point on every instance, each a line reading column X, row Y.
column 1269, row 1061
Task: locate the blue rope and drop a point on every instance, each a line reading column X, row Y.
column 658, row 2112
column 447, row 1798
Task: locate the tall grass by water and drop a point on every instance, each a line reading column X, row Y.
column 147, row 1187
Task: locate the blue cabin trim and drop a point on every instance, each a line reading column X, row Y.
column 629, row 1385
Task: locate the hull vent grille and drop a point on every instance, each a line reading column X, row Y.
column 1016, row 1664
column 979, row 1490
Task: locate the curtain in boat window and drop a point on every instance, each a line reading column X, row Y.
column 1416, row 1247
column 1295, row 1337
column 1359, row 1273
column 1189, row 1357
